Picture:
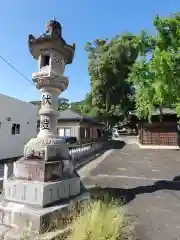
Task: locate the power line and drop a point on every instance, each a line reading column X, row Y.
column 16, row 70
column 19, row 71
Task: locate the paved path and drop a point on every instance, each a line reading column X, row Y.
column 148, row 179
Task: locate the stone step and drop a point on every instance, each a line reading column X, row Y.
column 38, row 219
column 16, row 234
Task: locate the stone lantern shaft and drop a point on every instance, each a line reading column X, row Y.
column 48, row 113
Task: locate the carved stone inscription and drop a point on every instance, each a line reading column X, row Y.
column 46, row 99
column 14, row 191
column 35, row 195
column 47, row 151
column 30, row 170
column 31, row 153
column 58, row 64
column 25, row 192
column 57, row 59
column 41, row 194
column 45, row 124
column 61, row 190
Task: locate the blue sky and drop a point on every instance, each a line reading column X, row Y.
column 82, row 21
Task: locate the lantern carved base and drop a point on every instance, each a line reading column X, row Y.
column 37, row 222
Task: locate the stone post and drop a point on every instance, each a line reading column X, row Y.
column 45, row 175
column 8, row 171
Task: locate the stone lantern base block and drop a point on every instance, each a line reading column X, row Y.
column 46, row 149
column 40, row 193
column 43, row 222
column 36, row 170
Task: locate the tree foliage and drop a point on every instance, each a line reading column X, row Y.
column 85, row 107
column 63, row 104
column 109, row 63
column 156, row 75
column 77, row 106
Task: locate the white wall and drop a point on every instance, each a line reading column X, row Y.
column 20, row 113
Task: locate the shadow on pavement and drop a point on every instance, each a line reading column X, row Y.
column 115, row 144
column 127, row 195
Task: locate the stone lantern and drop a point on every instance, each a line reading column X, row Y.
column 52, row 54
column 45, row 175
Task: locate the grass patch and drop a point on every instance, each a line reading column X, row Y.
column 101, row 220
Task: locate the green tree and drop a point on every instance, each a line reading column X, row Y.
column 156, row 75
column 77, row 106
column 63, row 104
column 85, row 107
column 109, row 63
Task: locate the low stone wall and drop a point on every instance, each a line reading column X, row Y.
column 86, row 151
column 79, row 153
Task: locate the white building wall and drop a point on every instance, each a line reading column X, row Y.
column 19, row 112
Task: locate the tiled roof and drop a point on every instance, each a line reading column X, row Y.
column 69, row 114
column 165, row 111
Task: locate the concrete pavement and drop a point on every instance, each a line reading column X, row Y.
column 148, row 181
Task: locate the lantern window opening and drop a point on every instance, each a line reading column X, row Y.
column 45, row 60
